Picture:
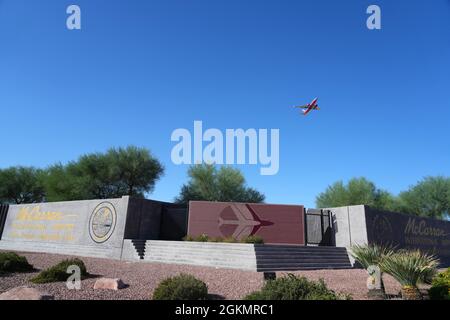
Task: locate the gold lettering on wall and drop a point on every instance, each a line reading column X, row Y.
column 32, row 223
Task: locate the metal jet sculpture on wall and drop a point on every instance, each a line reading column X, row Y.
column 309, row 107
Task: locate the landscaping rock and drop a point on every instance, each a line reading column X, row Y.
column 109, row 284
column 25, row 293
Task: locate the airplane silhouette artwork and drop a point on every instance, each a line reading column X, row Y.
column 239, row 220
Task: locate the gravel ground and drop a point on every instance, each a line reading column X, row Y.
column 142, row 279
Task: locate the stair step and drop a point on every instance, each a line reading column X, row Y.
column 302, row 268
column 315, row 264
column 217, row 263
column 301, row 258
column 299, row 255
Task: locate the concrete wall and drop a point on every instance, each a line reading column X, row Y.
column 143, row 220
column 3, row 214
column 409, row 232
column 350, row 225
column 153, row 220
column 350, row 228
column 85, row 228
column 174, row 221
column 276, row 224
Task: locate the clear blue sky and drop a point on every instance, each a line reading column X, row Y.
column 140, row 69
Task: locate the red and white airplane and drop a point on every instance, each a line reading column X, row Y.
column 309, row 107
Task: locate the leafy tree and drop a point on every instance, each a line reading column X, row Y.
column 64, row 183
column 211, row 184
column 21, row 185
column 124, row 171
column 429, row 197
column 357, row 191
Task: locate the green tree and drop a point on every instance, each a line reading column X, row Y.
column 356, row 191
column 124, row 171
column 209, row 183
column 430, row 197
column 64, row 183
column 21, row 185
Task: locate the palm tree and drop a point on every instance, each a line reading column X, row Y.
column 410, row 268
column 370, row 256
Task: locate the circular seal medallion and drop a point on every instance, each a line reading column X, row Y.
column 382, row 230
column 102, row 222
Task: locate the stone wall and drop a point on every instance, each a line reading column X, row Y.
column 86, row 228
column 364, row 225
column 276, row 224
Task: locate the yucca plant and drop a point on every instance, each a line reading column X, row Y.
column 368, row 256
column 410, row 268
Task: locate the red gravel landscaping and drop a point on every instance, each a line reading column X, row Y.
column 143, row 277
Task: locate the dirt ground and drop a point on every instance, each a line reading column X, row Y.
column 142, row 278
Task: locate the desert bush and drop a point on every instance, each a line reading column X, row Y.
column 202, row 238
column 410, row 268
column 181, row 287
column 58, row 272
column 188, row 238
column 12, row 262
column 253, row 239
column 230, row 240
column 440, row 289
column 293, row 287
column 370, row 255
column 206, row 238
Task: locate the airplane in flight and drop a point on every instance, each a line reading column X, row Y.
column 309, row 107
column 240, row 220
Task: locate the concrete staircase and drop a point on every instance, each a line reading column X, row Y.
column 139, row 246
column 285, row 258
column 247, row 256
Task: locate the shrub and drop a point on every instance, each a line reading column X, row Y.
column 188, row 238
column 181, row 287
column 295, row 288
column 253, row 239
column 12, row 262
column 230, row 240
column 410, row 268
column 440, row 289
column 202, row 238
column 59, row 271
column 206, row 238
column 370, row 255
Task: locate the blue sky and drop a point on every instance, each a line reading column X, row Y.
column 140, row 69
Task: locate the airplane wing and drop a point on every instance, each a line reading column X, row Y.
column 302, row 107
column 305, row 112
column 312, row 106
column 242, row 230
column 243, row 214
